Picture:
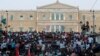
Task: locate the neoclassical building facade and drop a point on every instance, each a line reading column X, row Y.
column 50, row 18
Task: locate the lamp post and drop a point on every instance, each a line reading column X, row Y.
column 7, row 22
column 93, row 16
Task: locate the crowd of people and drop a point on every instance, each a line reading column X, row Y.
column 46, row 44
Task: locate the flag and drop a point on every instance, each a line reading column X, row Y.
column 29, row 54
column 17, row 51
column 3, row 21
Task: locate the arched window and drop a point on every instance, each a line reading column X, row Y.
column 70, row 17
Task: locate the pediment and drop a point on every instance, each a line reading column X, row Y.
column 57, row 5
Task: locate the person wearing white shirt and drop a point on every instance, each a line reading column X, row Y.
column 78, row 42
column 43, row 47
column 40, row 41
column 90, row 40
column 87, row 46
column 3, row 45
column 62, row 45
column 58, row 42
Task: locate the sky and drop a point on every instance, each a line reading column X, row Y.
column 33, row 4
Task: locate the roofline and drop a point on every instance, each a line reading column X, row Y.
column 18, row 10
column 89, row 10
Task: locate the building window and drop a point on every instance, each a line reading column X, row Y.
column 62, row 28
column 62, row 16
column 58, row 28
column 11, row 17
column 11, row 30
column 57, row 16
column 53, row 16
column 70, row 17
column 21, row 17
column 30, row 29
column 44, row 17
column 21, row 29
column 31, row 17
column 83, row 18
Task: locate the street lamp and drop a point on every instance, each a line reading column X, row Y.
column 7, row 22
column 93, row 16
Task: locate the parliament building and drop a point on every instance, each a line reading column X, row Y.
column 50, row 18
